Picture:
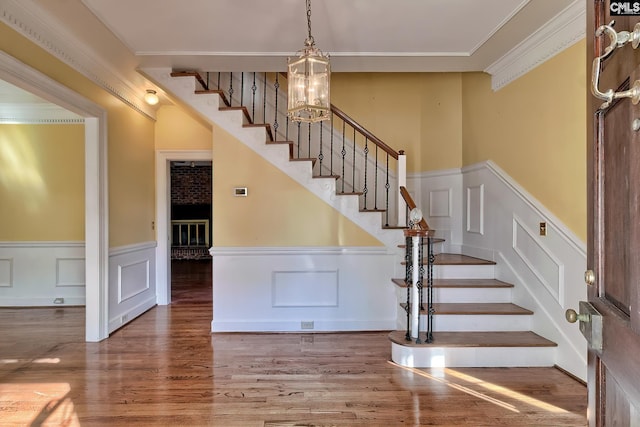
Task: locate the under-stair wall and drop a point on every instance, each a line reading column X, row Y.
column 487, row 214
column 310, row 288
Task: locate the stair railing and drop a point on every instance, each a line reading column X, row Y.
column 341, row 148
column 419, row 283
column 410, row 204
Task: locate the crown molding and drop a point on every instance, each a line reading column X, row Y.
column 26, row 18
column 31, row 113
column 564, row 30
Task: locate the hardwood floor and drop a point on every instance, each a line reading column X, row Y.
column 166, row 369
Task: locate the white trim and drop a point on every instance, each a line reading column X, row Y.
column 564, row 30
column 300, row 250
column 96, row 178
column 30, row 21
column 435, row 174
column 163, row 205
column 38, row 244
column 127, row 249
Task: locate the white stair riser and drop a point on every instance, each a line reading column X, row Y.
column 466, row 295
column 482, row 357
column 464, row 272
column 485, row 322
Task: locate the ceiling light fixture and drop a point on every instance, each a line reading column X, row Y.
column 151, row 97
column 308, row 80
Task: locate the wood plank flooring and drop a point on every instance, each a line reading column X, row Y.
column 166, row 369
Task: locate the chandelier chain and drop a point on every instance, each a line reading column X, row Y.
column 310, row 39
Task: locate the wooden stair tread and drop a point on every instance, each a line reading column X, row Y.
column 476, row 339
column 425, row 241
column 461, row 283
column 457, row 259
column 352, row 193
column 372, row 210
column 327, row 176
column 499, row 308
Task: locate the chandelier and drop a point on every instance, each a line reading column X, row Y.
column 308, row 81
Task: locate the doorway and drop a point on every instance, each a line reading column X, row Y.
column 95, row 171
column 164, row 160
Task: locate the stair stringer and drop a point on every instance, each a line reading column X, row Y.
column 207, row 105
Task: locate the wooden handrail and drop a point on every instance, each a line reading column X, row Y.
column 357, row 126
column 412, row 205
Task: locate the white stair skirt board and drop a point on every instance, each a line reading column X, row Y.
column 479, row 357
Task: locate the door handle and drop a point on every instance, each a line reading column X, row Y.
column 616, row 40
column 590, row 323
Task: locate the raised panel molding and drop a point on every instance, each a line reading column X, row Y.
column 440, row 203
column 287, row 286
column 475, row 209
column 539, row 260
column 70, row 272
column 133, row 279
column 305, row 288
column 6, row 272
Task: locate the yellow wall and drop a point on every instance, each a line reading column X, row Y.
column 41, row 182
column 535, row 129
column 419, row 113
column 130, row 144
column 176, row 129
column 277, row 211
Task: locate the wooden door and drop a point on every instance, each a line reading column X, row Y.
column 614, row 216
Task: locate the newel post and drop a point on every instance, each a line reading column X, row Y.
column 402, row 182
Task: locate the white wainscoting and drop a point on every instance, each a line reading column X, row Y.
column 547, row 271
column 132, row 282
column 279, row 289
column 487, row 214
column 439, row 195
column 36, row 273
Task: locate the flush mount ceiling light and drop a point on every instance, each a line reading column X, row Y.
column 151, row 97
column 308, row 81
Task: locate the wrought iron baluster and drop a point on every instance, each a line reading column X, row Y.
column 419, row 286
column 407, row 281
column 286, row 135
column 242, row 89
column 331, row 150
column 275, row 120
column 230, row 89
column 375, row 183
column 353, row 168
column 366, row 154
column 254, row 88
column 430, row 309
column 309, row 144
column 264, row 100
column 208, row 79
column 320, row 155
column 219, row 80
column 387, row 186
column 344, row 153
column 299, row 123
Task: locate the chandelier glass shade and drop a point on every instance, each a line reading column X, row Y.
column 308, row 80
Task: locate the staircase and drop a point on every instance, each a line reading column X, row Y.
column 475, row 322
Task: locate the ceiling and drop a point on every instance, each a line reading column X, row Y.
column 360, row 35
column 111, row 41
